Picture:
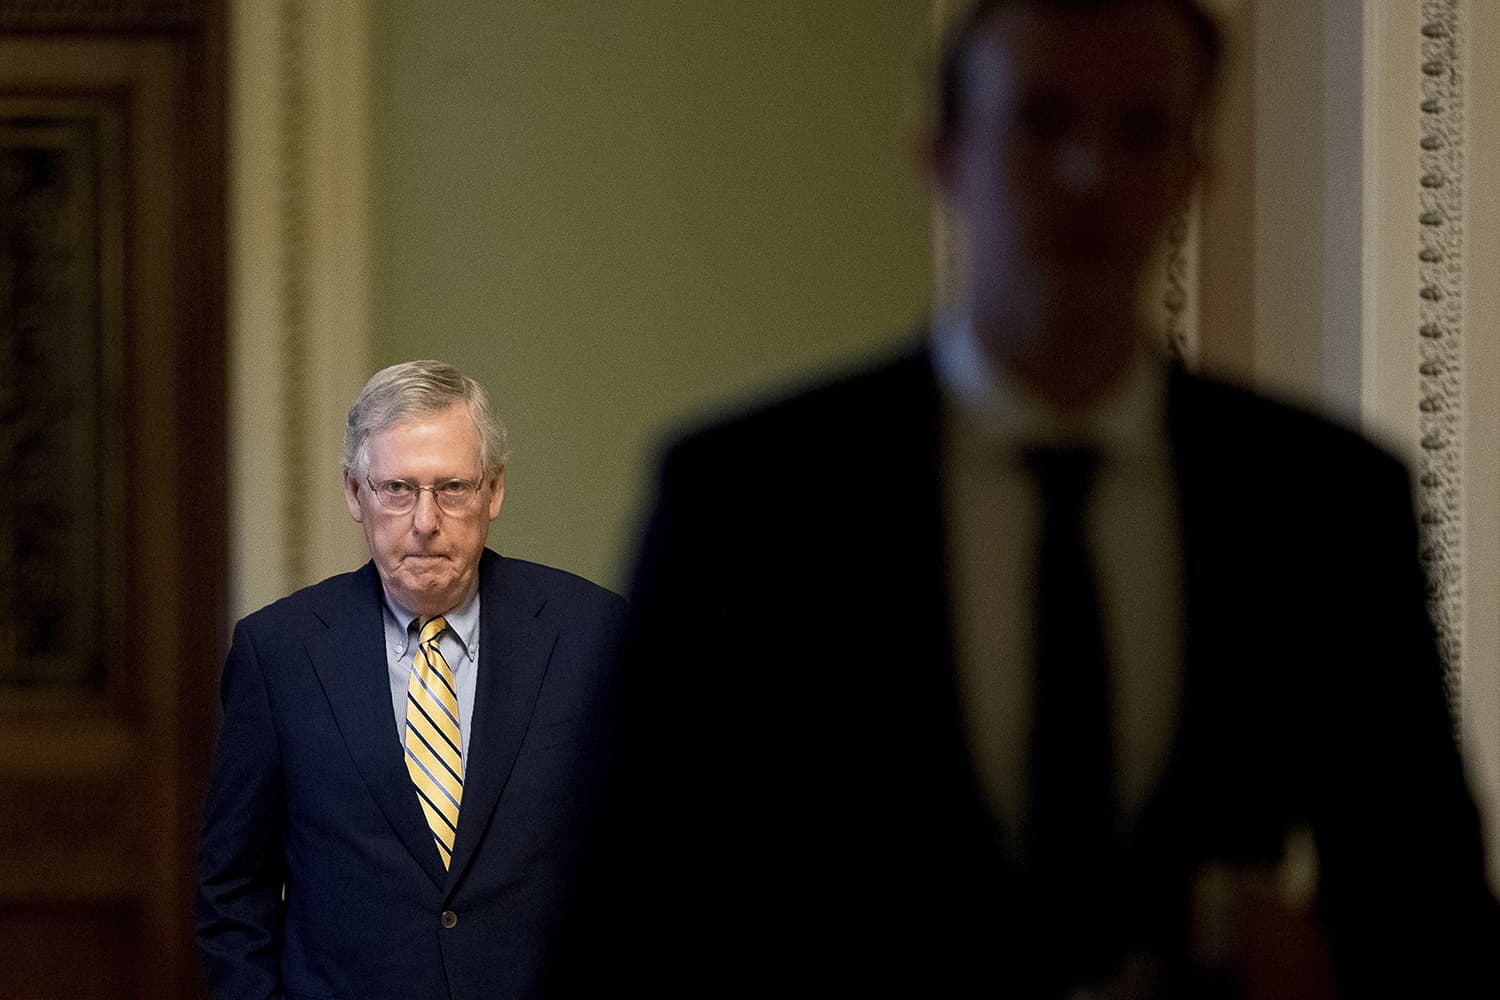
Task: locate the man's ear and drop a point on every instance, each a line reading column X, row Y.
column 352, row 486
column 497, row 494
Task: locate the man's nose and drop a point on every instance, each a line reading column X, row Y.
column 424, row 516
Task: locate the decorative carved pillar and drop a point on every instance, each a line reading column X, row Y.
column 301, row 293
column 1440, row 331
column 1431, row 356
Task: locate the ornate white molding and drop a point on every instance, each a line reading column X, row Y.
column 1432, row 364
column 1440, row 272
column 1179, row 299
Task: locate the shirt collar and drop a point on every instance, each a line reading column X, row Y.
column 463, row 621
column 1129, row 418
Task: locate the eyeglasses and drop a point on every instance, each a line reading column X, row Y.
column 397, row 496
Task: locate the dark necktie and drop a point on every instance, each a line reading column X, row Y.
column 1070, row 828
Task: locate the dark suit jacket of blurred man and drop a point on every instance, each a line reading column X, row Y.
column 798, row 805
column 311, row 790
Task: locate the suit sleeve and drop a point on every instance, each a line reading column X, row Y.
column 241, row 866
column 612, row 937
column 1404, row 880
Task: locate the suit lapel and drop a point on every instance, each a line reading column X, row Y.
column 515, row 646
column 350, row 661
column 1218, row 527
column 1226, row 668
column 929, row 691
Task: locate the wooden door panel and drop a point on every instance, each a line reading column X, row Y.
column 93, row 951
column 112, row 561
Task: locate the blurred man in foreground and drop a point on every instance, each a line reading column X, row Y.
column 1013, row 665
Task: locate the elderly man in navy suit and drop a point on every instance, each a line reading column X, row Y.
column 408, row 750
column 975, row 671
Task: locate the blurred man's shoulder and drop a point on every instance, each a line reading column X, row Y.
column 1257, row 422
column 851, row 405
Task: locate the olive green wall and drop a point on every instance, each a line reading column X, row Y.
column 618, row 216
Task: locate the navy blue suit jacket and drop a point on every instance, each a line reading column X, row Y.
column 796, row 805
column 311, row 792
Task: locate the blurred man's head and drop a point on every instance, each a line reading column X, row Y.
column 1207, row 39
column 1068, row 134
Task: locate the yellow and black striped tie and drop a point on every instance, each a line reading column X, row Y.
column 433, row 755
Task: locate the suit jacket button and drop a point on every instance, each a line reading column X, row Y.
column 449, row 918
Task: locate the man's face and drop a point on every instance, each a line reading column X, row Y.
column 1074, row 147
column 428, row 558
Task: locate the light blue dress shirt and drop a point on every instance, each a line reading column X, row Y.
column 459, row 644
